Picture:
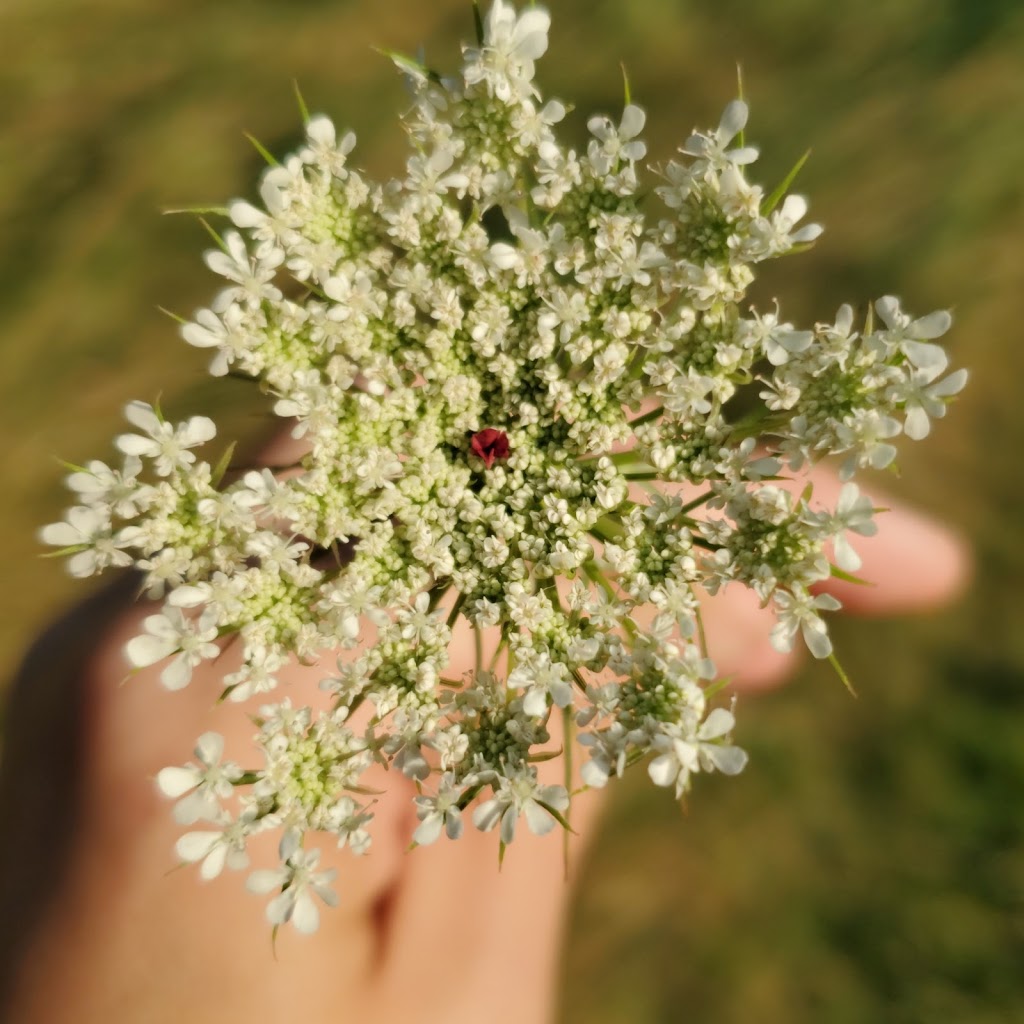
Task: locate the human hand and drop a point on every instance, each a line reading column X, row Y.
column 432, row 936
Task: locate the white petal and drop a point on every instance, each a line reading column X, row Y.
column 817, row 639
column 808, row 233
column 135, row 444
column 85, row 563
column 198, row 430
column 305, row 916
column 210, row 747
column 188, row 596
column 951, row 385
column 453, row 824
column 934, row 325
column 429, row 830
column 781, row 637
column 291, row 843
column 279, row 909
column 746, row 155
column 553, row 796
column 663, row 770
column 503, row 255
column 734, row 118
column 538, row 820
column 486, row 816
column 213, row 864
column 237, row 860
column 264, row 881
column 845, row 556
column 553, row 112
column 600, row 127
column 888, row 308
column 175, row 781
column 508, row 825
column 193, row 846
column 728, row 760
column 162, row 626
column 221, row 264
column 595, row 774
column 918, row 426
column 926, row 356
column 178, row 673
column 844, row 318
column 320, row 129
column 199, row 805
column 201, row 337
column 148, row 650
column 323, row 890
column 142, row 415
column 236, row 246
column 794, row 208
column 535, row 702
column 633, row 120
column 245, row 215
column 532, row 33
column 719, row 723
column 61, row 535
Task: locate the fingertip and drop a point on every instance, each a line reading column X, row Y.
column 913, row 563
column 738, row 632
column 765, row 669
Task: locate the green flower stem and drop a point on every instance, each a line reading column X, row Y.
column 697, row 502
column 702, row 637
column 456, row 608
column 502, row 644
column 436, row 593
column 647, row 417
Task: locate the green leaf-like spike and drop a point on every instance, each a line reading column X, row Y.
column 262, row 150
column 222, row 465
column 199, row 211
column 478, row 23
column 782, row 188
column 300, row 99
column 841, row 672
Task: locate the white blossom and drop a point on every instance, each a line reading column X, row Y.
column 202, row 787
column 298, row 882
column 531, row 400
column 521, row 794
column 168, row 445
column 171, row 633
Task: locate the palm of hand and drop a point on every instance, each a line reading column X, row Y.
column 432, row 936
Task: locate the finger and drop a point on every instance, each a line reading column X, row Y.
column 737, row 630
column 453, row 898
column 912, row 563
column 136, row 728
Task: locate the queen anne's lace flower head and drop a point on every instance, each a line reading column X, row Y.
column 532, row 397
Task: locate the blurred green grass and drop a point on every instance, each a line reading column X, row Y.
column 868, row 866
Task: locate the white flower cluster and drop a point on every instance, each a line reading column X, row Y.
column 526, row 399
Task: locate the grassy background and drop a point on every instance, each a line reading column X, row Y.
column 869, row 864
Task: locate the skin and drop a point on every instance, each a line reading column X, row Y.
column 435, row 935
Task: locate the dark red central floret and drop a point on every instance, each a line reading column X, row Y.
column 489, row 445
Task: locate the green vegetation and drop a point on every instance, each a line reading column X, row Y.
column 869, row 866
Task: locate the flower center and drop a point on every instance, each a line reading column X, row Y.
column 489, row 444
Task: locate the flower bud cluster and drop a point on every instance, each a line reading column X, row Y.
column 532, row 399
